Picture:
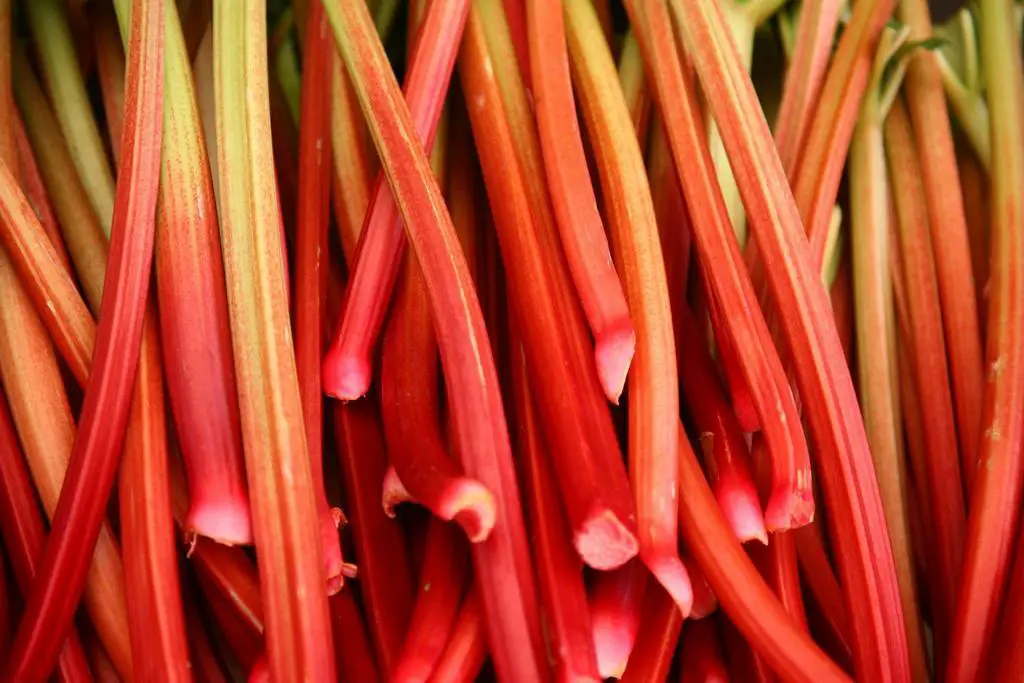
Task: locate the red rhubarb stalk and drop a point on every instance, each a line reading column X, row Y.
column 384, row 567
column 855, row 510
column 996, row 491
column 791, row 503
column 352, row 652
column 481, row 435
column 563, row 599
column 654, row 392
column 35, row 190
column 616, row 600
column 24, row 537
column 443, row 572
column 276, row 453
column 572, row 195
column 660, row 623
column 93, row 465
column 194, row 326
column 466, row 651
column 571, row 405
column 312, row 249
column 703, row 660
column 347, row 366
column 726, row 459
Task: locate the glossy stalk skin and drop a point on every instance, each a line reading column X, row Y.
column 928, row 355
column 805, row 75
column 352, row 652
column 574, row 415
column 78, row 518
column 276, row 453
column 654, row 392
column 312, row 248
column 876, row 342
column 791, row 503
column 466, row 652
column 51, row 33
column 996, row 490
column 24, row 537
column 411, row 415
column 444, row 570
column 660, row 624
column 852, row 497
column 194, row 326
column 950, row 241
column 744, row 663
column 347, row 366
column 563, row 598
column 572, row 197
column 726, row 458
column 741, row 591
column 36, row 193
column 974, row 185
column 703, row 660
column 156, row 619
column 384, row 568
column 616, row 600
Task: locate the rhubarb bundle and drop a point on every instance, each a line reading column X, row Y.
column 517, row 340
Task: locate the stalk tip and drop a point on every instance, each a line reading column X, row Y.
column 613, row 354
column 394, row 493
column 345, row 377
column 226, row 522
column 471, row 505
column 743, row 512
column 671, row 573
column 604, row 542
column 790, row 507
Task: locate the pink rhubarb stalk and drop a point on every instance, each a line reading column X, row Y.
column 573, row 411
column 572, row 195
column 347, row 367
column 481, row 435
column 466, row 652
column 616, row 600
column 276, row 453
column 660, row 623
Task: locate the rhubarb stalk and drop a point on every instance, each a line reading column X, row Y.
column 93, row 465
column 481, row 435
column 572, row 195
column 996, row 490
column 347, row 366
column 276, row 453
column 852, row 497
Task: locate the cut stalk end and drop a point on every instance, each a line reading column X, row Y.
column 671, row 573
column 613, row 353
column 739, row 503
column 471, row 505
column 346, row 377
column 223, row 521
column 789, row 508
column 604, row 542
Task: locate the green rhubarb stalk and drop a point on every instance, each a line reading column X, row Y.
column 77, row 521
column 876, row 335
column 51, row 34
column 996, row 491
column 481, row 434
column 963, row 86
column 852, row 497
column 276, row 453
column 949, row 234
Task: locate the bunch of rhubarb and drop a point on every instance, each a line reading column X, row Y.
column 445, row 341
